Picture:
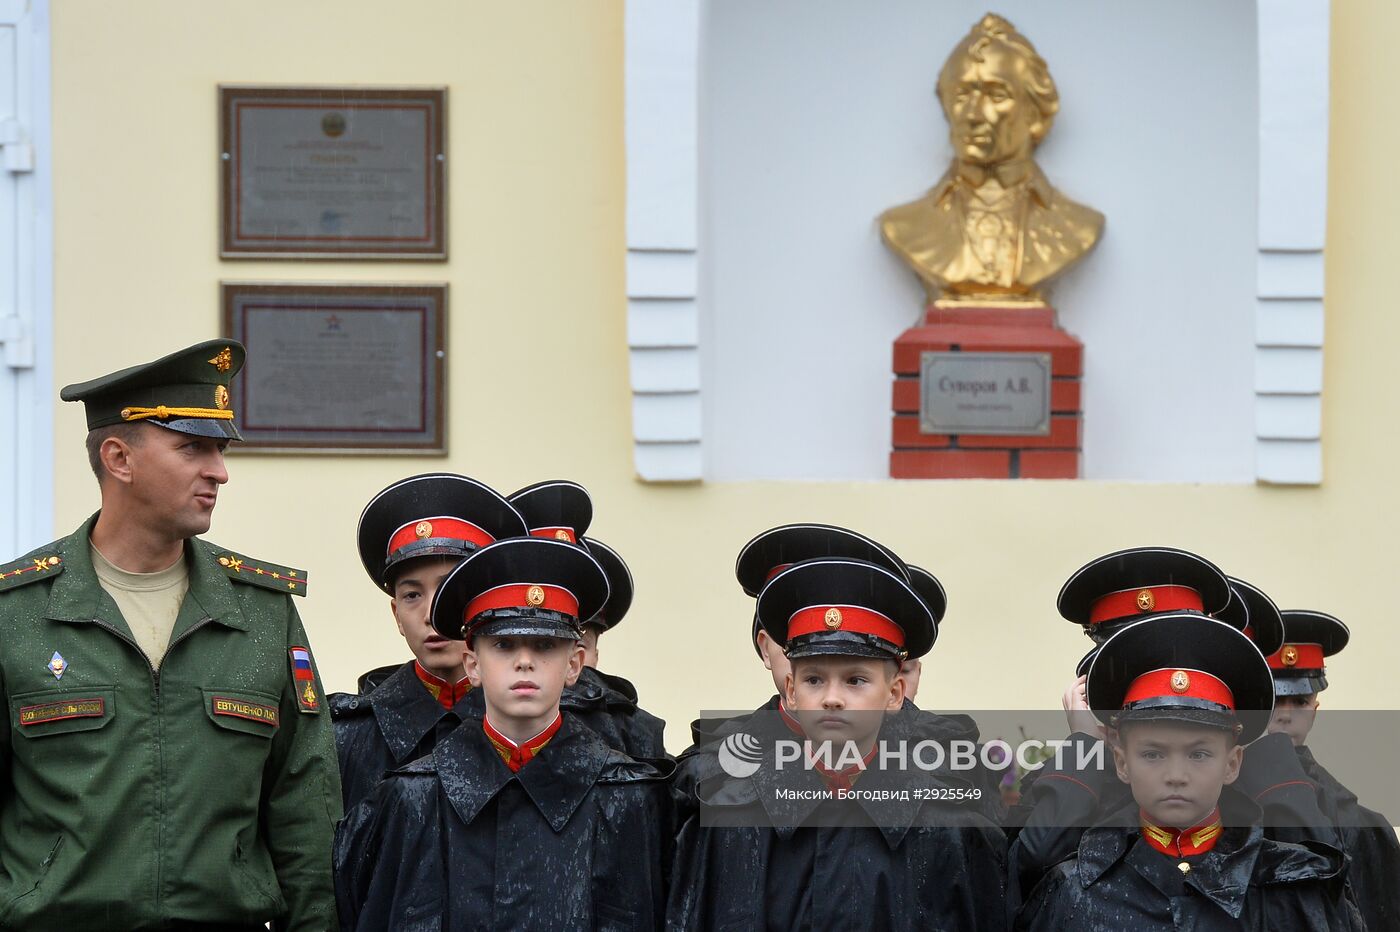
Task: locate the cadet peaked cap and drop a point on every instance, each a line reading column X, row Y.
column 554, row 508
column 778, row 548
column 929, row 589
column 1254, row 613
column 525, row 586
column 1119, row 588
column 1182, row 667
column 845, row 607
column 186, row 391
column 434, row 514
column 1308, row 637
column 619, row 584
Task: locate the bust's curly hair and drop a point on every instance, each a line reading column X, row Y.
column 996, row 30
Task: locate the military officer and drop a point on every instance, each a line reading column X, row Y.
column 167, row 756
column 410, row 536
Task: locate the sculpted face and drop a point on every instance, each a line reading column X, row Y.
column 991, row 117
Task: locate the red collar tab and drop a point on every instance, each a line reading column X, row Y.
column 447, row 694
column 792, row 723
column 440, row 527
column 1144, row 601
column 1184, row 843
column 845, row 778
column 1297, row 657
column 515, row 755
column 566, row 534
column 776, row 570
column 522, row 595
column 817, row 619
column 1174, row 682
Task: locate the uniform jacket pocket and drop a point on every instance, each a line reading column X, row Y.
column 48, row 712
column 252, row 713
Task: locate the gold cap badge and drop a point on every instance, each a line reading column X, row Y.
column 534, row 596
column 1180, row 681
column 220, row 397
column 564, row 536
column 1290, row 656
column 423, row 528
column 224, row 361
column 1146, row 601
column 833, row 618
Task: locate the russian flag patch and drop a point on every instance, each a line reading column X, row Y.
column 304, row 681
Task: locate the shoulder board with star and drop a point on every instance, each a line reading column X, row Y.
column 256, row 572
column 44, row 563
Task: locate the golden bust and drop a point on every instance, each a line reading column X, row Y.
column 993, row 229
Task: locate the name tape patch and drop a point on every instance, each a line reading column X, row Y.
column 58, row 711
column 238, row 708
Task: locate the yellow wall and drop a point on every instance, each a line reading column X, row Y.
column 538, row 350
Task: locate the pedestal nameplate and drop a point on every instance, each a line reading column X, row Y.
column 342, row 368
column 991, row 394
column 333, row 173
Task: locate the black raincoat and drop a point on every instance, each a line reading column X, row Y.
column 1059, row 803
column 577, row 840
column 393, row 722
column 608, row 705
column 1117, row 882
column 889, row 864
column 1367, row 836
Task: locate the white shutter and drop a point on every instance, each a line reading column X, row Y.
column 26, row 286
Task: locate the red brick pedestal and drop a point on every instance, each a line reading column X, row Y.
column 1009, row 329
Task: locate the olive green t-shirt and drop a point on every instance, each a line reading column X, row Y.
column 149, row 602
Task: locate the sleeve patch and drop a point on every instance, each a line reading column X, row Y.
column 304, row 681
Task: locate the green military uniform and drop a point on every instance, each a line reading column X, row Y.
column 199, row 794
column 206, row 792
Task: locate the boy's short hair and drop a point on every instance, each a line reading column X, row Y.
column 1178, row 720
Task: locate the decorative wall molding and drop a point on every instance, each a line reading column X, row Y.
column 662, row 85
column 1293, row 123
column 663, row 320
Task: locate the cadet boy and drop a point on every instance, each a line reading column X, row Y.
column 638, row 733
column 1300, row 674
column 755, row 857
column 525, row 820
column 1104, row 596
column 561, row 510
column 410, row 535
column 167, row 760
column 1184, row 693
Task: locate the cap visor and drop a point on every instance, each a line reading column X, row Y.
column 201, row 427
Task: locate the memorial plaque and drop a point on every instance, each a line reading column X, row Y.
column 332, row 173
column 339, row 368
column 984, row 393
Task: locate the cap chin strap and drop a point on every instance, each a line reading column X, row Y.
column 162, row 412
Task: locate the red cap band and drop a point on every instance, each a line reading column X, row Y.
column 1297, row 656
column 451, row 528
column 825, row 618
column 775, row 571
column 555, row 533
column 1174, row 682
column 1144, row 600
column 522, row 595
